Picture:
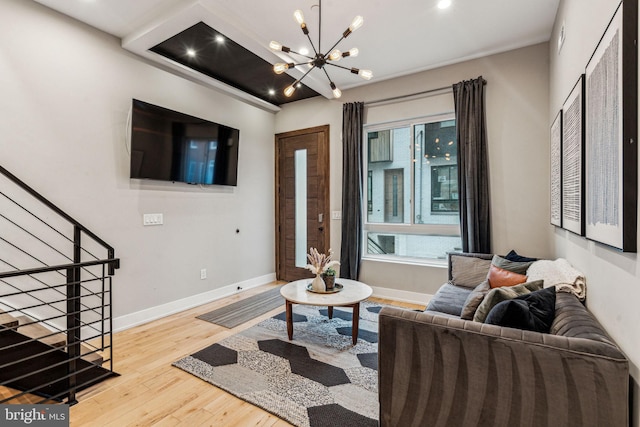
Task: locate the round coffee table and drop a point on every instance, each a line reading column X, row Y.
column 350, row 296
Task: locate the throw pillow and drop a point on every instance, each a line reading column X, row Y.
column 499, row 277
column 532, row 312
column 515, row 266
column 513, row 256
column 498, row 295
column 449, row 299
column 474, row 299
column 468, row 271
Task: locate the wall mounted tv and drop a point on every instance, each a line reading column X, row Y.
column 171, row 146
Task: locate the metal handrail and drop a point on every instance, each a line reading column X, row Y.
column 92, row 297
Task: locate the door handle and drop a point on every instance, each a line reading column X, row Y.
column 321, row 228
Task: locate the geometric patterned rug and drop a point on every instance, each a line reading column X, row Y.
column 318, row 379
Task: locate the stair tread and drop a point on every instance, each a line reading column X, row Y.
column 36, row 331
column 93, row 357
column 7, row 320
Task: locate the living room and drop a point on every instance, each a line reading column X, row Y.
column 67, row 90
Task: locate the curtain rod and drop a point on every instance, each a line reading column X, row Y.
column 424, row 93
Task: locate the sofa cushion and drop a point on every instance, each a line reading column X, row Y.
column 533, row 312
column 504, row 293
column 474, row 299
column 449, row 299
column 468, row 271
column 514, row 266
column 499, row 277
column 514, row 256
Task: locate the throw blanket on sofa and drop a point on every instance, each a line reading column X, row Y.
column 561, row 274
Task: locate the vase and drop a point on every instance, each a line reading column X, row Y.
column 329, row 281
column 318, row 284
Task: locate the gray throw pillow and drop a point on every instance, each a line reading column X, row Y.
column 514, row 266
column 468, row 271
column 504, row 293
column 474, row 299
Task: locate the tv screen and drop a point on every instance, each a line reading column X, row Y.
column 171, row 146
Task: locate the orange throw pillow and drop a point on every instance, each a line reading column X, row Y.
column 499, row 277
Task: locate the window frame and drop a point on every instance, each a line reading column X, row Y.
column 411, row 228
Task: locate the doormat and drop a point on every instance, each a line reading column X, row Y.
column 242, row 311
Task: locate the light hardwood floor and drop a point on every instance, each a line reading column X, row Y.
column 150, row 392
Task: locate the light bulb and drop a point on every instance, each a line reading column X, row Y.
column 356, row 23
column 280, row 67
column 336, row 55
column 365, row 74
column 299, row 17
column 278, row 46
column 289, row 91
column 352, row 52
column 336, row 92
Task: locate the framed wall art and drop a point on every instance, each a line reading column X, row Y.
column 573, row 160
column 556, row 171
column 611, row 153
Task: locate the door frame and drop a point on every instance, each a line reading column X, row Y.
column 323, row 185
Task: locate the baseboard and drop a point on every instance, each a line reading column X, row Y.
column 399, row 295
column 153, row 313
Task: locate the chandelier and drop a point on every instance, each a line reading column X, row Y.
column 319, row 60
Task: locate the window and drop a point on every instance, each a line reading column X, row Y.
column 412, row 189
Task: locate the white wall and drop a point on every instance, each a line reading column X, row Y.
column 66, row 94
column 613, row 278
column 517, row 119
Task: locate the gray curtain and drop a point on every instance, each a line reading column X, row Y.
column 351, row 246
column 473, row 170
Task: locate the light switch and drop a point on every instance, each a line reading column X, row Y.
column 152, row 219
column 336, row 215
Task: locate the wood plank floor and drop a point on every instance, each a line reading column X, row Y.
column 150, row 392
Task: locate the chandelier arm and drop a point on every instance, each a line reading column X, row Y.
column 312, row 45
column 333, row 47
column 300, row 54
column 339, row 66
column 327, row 74
column 304, row 75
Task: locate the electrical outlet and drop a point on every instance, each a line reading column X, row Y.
column 203, row 274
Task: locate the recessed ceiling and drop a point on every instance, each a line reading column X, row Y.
column 210, row 52
column 397, row 38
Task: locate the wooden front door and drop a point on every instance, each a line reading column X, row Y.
column 302, row 199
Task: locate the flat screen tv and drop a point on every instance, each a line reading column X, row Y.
column 171, row 146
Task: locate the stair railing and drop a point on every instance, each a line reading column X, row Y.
column 55, row 279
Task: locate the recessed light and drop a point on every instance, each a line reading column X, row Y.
column 191, row 53
column 443, row 4
column 272, row 92
column 220, row 38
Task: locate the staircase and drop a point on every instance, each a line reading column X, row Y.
column 55, row 300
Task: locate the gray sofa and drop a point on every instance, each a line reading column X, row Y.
column 436, row 369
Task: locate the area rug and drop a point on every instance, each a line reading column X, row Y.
column 317, row 379
column 244, row 310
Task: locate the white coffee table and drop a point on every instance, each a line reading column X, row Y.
column 350, row 296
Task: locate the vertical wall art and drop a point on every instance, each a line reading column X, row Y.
column 573, row 160
column 611, row 153
column 556, row 171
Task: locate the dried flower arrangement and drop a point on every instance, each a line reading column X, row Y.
column 320, row 263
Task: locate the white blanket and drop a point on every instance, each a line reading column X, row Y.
column 561, row 274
